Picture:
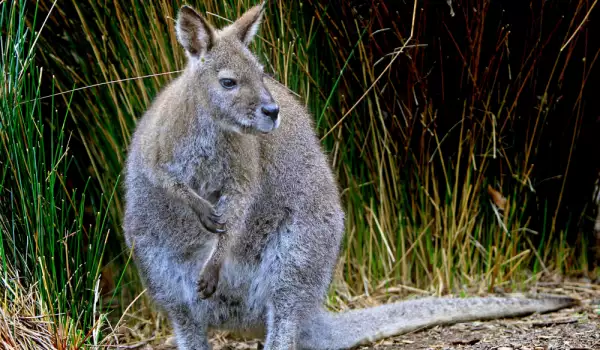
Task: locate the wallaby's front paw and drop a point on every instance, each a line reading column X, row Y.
column 213, row 221
column 212, row 216
column 209, row 279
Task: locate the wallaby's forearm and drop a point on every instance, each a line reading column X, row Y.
column 179, row 190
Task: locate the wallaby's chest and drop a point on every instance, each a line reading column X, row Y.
column 207, row 161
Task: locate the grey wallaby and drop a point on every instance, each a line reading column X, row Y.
column 233, row 212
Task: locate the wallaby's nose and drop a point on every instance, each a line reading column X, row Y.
column 271, row 110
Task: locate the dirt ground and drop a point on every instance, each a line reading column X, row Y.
column 575, row 328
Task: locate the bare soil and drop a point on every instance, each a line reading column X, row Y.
column 575, row 328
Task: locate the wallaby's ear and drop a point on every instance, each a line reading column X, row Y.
column 193, row 32
column 246, row 27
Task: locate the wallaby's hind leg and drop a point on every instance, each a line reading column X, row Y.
column 282, row 325
column 297, row 278
column 190, row 334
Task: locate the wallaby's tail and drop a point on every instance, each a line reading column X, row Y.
column 327, row 330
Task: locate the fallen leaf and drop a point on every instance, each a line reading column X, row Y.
column 497, row 197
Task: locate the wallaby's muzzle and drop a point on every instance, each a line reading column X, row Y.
column 271, row 110
column 267, row 117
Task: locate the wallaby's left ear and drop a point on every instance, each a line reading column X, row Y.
column 246, row 27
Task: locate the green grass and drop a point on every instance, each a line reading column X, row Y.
column 50, row 249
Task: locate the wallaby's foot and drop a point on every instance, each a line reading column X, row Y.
column 209, row 279
column 190, row 332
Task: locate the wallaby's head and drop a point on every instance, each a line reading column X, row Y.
column 229, row 79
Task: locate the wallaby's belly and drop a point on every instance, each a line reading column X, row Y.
column 170, row 259
column 239, row 302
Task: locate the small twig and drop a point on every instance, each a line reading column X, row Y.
column 579, row 26
column 399, row 51
column 551, row 323
column 220, row 17
column 104, row 83
column 134, row 345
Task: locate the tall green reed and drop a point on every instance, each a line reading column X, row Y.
column 50, row 242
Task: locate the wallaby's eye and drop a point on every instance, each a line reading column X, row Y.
column 228, row 83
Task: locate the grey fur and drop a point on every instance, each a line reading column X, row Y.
column 279, row 202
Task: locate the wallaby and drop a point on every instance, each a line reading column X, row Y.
column 225, row 147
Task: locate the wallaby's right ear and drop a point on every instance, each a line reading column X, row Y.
column 193, row 32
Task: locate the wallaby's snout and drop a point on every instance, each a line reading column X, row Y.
column 265, row 112
column 271, row 110
column 268, row 114
column 268, row 118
